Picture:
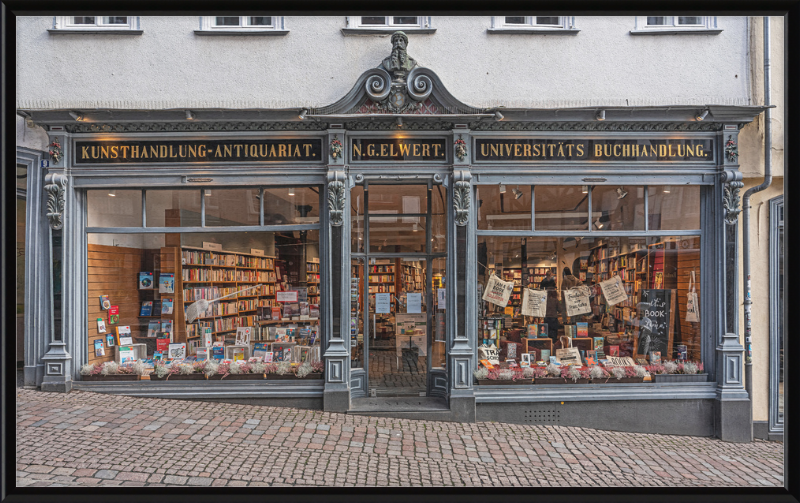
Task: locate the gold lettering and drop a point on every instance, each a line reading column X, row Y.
column 552, row 147
column 617, row 146
column 383, row 150
column 598, row 150
column 272, row 151
column 436, row 149
column 238, row 148
column 162, row 151
column 536, row 150
column 308, row 149
column 124, row 151
column 526, row 150
column 698, row 151
column 495, row 149
column 662, row 150
column 218, row 152
column 404, row 149
column 134, row 151
column 228, row 149
column 416, row 150
column 517, row 149
column 580, row 149
column 181, row 149
column 282, row 150
column 508, row 149
column 371, row 150
column 484, row 152
column 104, row 152
column 426, row 150
column 678, row 147
column 253, row 150
column 170, row 152
column 561, row 150
column 356, row 149
column 154, row 151
column 607, row 150
column 95, row 152
column 84, row 152
column 626, row 150
column 653, row 152
column 669, row 151
column 201, row 150
column 643, row 153
column 690, row 150
column 145, row 155
column 191, row 151
column 114, row 152
column 569, row 149
column 296, row 150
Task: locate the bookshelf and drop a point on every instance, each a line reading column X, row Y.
column 537, row 274
column 312, row 281
column 381, row 279
column 631, row 266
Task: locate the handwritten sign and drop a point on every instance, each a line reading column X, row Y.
column 382, row 303
column 534, row 303
column 441, row 298
column 656, row 315
column 568, row 356
column 577, row 300
column 414, row 303
column 498, row 291
column 212, row 246
column 619, row 361
column 614, row 290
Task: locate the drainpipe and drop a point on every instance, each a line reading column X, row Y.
column 748, row 343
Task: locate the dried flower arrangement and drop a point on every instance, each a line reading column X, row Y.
column 241, row 368
column 539, row 372
column 160, row 370
column 618, row 372
column 657, row 368
column 210, row 368
column 224, row 369
column 554, row 370
column 527, row 372
column 317, row 366
column 110, row 368
column 185, row 369
column 303, row 370
column 283, row 368
column 690, row 368
column 597, row 372
column 639, row 371
column 258, row 368
column 91, row 369
column 138, row 368
column 481, row 374
column 670, row 367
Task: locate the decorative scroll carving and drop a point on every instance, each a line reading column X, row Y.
column 55, row 187
column 461, row 197
column 369, row 125
column 378, row 84
column 179, row 127
column 419, row 85
column 730, row 201
column 594, row 126
column 336, row 202
column 731, row 150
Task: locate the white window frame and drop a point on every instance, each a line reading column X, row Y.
column 66, row 23
column 566, row 25
column 708, row 25
column 530, row 22
column 208, row 26
column 355, row 22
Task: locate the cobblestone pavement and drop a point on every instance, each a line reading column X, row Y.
column 384, row 374
column 92, row 439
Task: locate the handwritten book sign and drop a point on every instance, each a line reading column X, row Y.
column 619, row 361
column 613, row 290
column 577, row 301
column 534, row 303
column 498, row 291
column 656, row 316
column 568, row 356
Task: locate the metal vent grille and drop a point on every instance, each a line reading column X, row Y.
column 543, row 415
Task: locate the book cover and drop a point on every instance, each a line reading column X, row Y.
column 202, row 353
column 486, row 364
column 166, row 283
column 582, row 329
column 207, row 338
column 126, row 354
column 238, row 354
column 313, row 311
column 254, row 359
column 545, row 354
column 101, row 326
column 276, row 313
column 598, row 342
column 177, row 350
column 655, row 357
column 533, row 331
column 110, row 340
column 682, row 352
column 268, row 357
column 158, row 356
column 162, row 345
column 147, row 308
column 260, row 349
column 218, row 352
column 543, row 330
column 99, row 350
column 113, row 315
column 166, row 326
column 124, row 337
column 554, row 360
column 243, row 336
column 148, row 363
column 145, row 281
column 166, row 306
column 153, row 328
column 613, row 350
column 156, row 307
column 591, row 358
column 104, row 302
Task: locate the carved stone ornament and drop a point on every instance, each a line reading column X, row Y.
column 461, row 196
column 730, row 201
column 336, row 202
column 189, row 126
column 55, row 187
column 731, row 150
column 591, row 126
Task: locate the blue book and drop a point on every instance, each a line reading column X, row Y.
column 147, row 308
column 166, row 283
column 218, row 352
column 260, row 349
column 166, row 306
column 145, row 281
column 110, row 340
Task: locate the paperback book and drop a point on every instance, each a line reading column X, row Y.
column 202, row 353
column 98, row 348
column 162, row 344
column 260, row 349
column 113, row 315
column 166, row 306
column 655, row 357
column 166, row 326
column 243, row 336
column 101, row 326
column 583, row 329
column 218, row 352
column 145, row 281
column 124, row 337
column 613, row 350
column 153, row 328
column 158, row 356
column 110, row 340
column 104, row 302
column 126, row 354
column 177, row 350
column 238, row 354
column 166, row 283
column 147, row 308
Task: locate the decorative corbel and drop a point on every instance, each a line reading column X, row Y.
column 336, row 197
column 730, row 195
column 55, row 187
column 461, row 196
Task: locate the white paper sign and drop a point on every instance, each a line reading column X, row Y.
column 286, row 296
column 534, row 303
column 498, row 291
column 212, row 246
column 382, row 303
column 577, row 300
column 414, row 303
column 614, row 290
column 441, row 298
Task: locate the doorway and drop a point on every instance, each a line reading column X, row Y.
column 398, row 284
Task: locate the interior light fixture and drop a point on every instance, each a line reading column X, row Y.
column 291, row 191
column 517, row 193
column 585, row 189
column 598, row 224
column 112, row 193
column 189, row 115
column 701, row 115
column 302, row 114
column 498, row 116
column 601, row 115
column 415, row 228
column 206, row 193
column 666, row 189
column 78, row 117
column 502, row 189
column 621, row 193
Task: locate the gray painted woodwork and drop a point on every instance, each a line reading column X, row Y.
column 776, row 314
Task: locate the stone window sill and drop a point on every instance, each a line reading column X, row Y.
column 93, row 31
column 532, row 31
column 262, row 33
column 676, row 32
column 386, row 31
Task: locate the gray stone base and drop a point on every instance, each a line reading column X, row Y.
column 732, row 420
column 295, row 403
column 463, row 409
column 761, row 431
column 669, row 417
column 57, row 386
column 33, row 375
column 337, row 400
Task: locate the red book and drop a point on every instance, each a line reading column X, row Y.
column 162, row 345
column 613, row 351
column 113, row 315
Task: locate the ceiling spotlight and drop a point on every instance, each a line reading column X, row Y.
column 189, row 115
column 598, row 224
column 415, row 228
column 601, row 115
column 302, row 114
column 621, row 193
column 112, row 193
column 498, row 116
column 291, row 191
column 666, row 189
column 502, row 189
column 78, row 117
column 399, row 122
column 701, row 115
column 585, row 189
column 517, row 193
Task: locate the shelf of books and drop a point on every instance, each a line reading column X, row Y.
column 537, row 274
column 312, row 280
column 514, row 274
column 631, row 266
column 381, row 278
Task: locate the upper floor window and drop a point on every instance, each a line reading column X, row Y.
column 242, row 25
column 380, row 24
column 533, row 24
column 89, row 24
column 672, row 25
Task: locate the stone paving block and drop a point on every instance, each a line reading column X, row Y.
column 106, row 474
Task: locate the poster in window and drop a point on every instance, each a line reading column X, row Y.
column 577, row 301
column 613, row 290
column 534, row 303
column 498, row 291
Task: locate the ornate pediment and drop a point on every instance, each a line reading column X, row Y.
column 398, row 86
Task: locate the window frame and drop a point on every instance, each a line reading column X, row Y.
column 65, row 24
column 566, row 25
column 777, row 314
column 208, row 26
column 707, row 26
column 354, row 26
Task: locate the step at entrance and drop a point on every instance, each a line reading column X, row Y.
column 422, row 407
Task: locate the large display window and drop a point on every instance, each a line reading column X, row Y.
column 589, row 293
column 214, row 304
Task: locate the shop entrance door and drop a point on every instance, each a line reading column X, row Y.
column 397, row 290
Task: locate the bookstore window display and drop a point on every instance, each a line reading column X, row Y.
column 602, row 294
column 142, row 286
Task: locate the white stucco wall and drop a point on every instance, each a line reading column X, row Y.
column 33, row 138
column 315, row 64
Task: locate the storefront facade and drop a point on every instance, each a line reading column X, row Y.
column 648, row 194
